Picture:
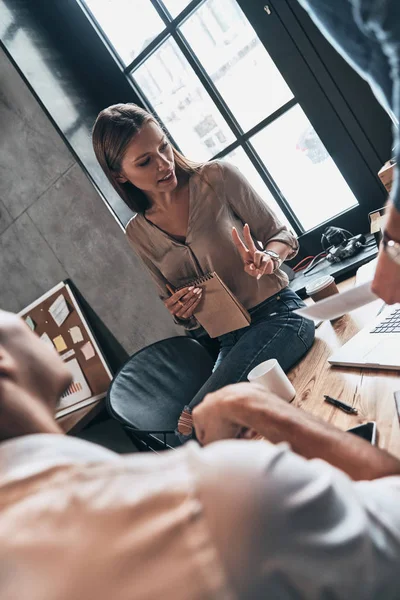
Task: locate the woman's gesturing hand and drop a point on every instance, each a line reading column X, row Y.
column 183, row 303
column 256, row 262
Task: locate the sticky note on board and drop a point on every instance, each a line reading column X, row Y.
column 59, row 343
column 88, row 350
column 59, row 310
column 29, row 321
column 76, row 334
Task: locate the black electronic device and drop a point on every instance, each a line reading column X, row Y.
column 367, row 431
column 339, row 244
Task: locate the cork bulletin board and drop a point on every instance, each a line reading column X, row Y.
column 58, row 320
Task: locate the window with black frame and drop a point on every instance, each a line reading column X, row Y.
column 201, row 67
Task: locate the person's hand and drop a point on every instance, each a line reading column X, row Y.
column 386, row 283
column 256, row 263
column 184, row 302
column 232, row 412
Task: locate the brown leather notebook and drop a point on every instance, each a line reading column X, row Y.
column 219, row 311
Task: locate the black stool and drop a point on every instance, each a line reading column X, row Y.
column 149, row 392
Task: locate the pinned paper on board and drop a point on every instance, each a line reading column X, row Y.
column 30, row 323
column 59, row 310
column 88, row 351
column 45, row 338
column 78, row 390
column 59, row 343
column 76, row 334
column 68, row 354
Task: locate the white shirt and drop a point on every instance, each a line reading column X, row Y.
column 236, row 520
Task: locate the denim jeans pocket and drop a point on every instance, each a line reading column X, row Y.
column 293, row 303
column 305, row 328
column 306, row 332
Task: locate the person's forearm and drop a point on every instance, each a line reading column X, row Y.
column 313, row 438
column 280, row 248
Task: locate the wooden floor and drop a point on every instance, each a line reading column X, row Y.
column 370, row 391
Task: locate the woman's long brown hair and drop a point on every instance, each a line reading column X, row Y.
column 113, row 130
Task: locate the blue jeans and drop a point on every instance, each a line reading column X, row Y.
column 275, row 332
column 367, row 34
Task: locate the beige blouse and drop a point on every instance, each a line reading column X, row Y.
column 219, row 198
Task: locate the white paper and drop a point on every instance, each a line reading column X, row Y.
column 45, row 338
column 76, row 334
column 339, row 304
column 366, row 272
column 59, row 310
column 68, row 354
column 78, row 390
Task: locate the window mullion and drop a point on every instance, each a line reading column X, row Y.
column 148, row 51
column 273, row 188
column 186, row 12
column 148, row 106
column 162, row 11
column 207, row 83
column 270, row 119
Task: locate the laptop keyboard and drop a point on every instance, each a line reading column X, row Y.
column 390, row 325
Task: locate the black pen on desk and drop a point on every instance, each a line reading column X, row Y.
column 346, row 407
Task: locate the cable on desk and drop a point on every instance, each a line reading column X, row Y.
column 302, row 264
column 315, row 262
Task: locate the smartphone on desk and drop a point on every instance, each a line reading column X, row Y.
column 367, row 431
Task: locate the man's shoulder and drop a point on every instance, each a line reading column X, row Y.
column 143, row 503
column 26, row 456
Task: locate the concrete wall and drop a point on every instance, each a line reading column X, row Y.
column 54, row 225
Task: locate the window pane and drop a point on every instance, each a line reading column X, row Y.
column 175, row 6
column 182, row 103
column 130, row 26
column 236, row 61
column 240, row 159
column 303, row 169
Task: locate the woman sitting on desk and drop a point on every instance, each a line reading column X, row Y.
column 193, row 219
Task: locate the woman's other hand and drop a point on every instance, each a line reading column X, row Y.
column 256, row 263
column 183, row 303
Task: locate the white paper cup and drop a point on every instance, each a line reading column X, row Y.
column 271, row 375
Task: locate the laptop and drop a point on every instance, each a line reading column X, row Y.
column 377, row 346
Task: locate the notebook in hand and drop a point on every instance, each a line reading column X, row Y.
column 219, row 311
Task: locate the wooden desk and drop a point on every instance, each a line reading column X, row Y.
column 368, row 390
